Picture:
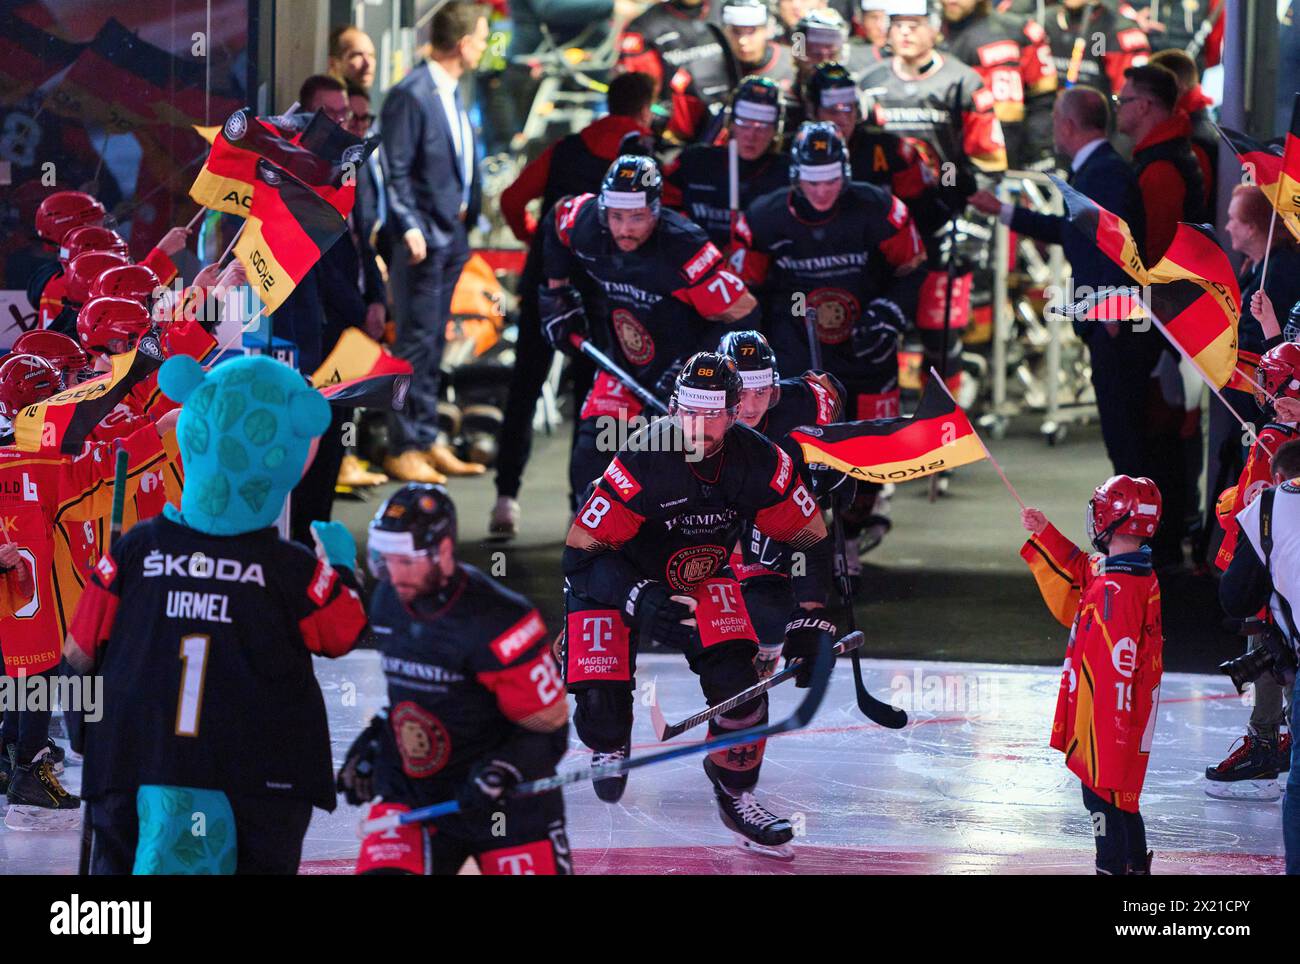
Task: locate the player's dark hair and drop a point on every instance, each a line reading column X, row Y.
column 453, row 22
column 356, row 90
column 1287, row 461
column 1087, row 107
column 313, row 85
column 1158, row 83
column 1180, row 64
column 630, row 94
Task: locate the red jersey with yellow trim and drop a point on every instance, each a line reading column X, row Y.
column 44, row 499
column 1110, row 684
column 470, row 678
column 671, row 297
column 947, row 107
column 655, row 515
column 206, row 646
column 1095, row 52
column 1254, row 479
column 1014, row 60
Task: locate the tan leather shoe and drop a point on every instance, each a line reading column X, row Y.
column 442, row 458
column 354, row 474
column 411, row 466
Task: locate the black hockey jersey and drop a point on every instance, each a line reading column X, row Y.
column 470, row 678
column 669, row 36
column 698, row 184
column 207, row 646
column 828, row 271
column 662, row 302
column 655, row 515
column 1097, row 50
column 700, row 90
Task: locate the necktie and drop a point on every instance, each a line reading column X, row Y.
column 462, row 157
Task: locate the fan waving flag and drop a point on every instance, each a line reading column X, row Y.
column 343, row 152
column 64, row 421
column 360, row 373
column 289, row 227
column 1262, row 163
column 937, row 438
column 1108, row 231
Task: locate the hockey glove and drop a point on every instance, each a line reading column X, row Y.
column 666, row 384
column 562, row 316
column 805, row 634
column 875, row 333
column 661, row 618
column 488, row 786
column 334, row 544
column 356, row 776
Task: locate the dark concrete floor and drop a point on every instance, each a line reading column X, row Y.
column 946, row 584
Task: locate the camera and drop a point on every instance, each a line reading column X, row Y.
column 1273, row 655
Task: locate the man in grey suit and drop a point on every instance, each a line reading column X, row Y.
column 433, row 199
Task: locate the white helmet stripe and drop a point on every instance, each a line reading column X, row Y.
column 821, row 172
column 624, row 200
column 703, row 398
column 759, row 378
column 754, row 111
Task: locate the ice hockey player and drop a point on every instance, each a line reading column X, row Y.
column 700, row 89
column 202, row 624
column 1110, row 685
column 666, row 290
column 476, row 705
column 820, row 37
column 1093, row 44
column 645, row 562
column 1249, row 769
column 698, row 182
column 40, row 494
column 1012, row 57
column 776, row 584
column 670, row 35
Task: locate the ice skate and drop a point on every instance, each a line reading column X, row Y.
column 610, row 789
column 1249, row 772
column 37, row 801
column 756, row 829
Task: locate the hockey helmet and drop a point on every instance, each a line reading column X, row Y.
column 1278, row 374
column 110, row 326
column 832, row 86
column 632, row 182
column 412, row 522
column 59, row 350
column 91, row 237
column 135, row 281
column 745, row 13
column 1123, row 505
column 818, row 155
column 823, row 32
column 25, row 380
column 708, row 382
column 85, row 268
column 756, row 363
column 1291, row 330
column 757, row 100
column 64, row 210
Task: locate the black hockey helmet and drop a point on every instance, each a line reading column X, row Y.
column 413, row 521
column 821, row 28
column 831, row 85
column 756, row 363
column 632, row 181
column 708, row 382
column 757, row 100
column 818, row 154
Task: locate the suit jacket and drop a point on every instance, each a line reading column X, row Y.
column 1106, row 178
column 424, row 182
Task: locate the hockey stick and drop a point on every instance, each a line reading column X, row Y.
column 803, row 714
column 870, row 707
column 666, row 731
column 114, row 531
column 603, row 361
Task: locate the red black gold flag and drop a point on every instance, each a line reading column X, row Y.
column 29, row 56
column 1287, row 199
column 360, row 373
column 1109, row 232
column 289, row 227
column 1263, row 165
column 937, row 438
column 343, row 152
column 64, row 421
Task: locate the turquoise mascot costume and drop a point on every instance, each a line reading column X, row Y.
column 247, row 432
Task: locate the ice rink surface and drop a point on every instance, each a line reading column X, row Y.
column 970, row 786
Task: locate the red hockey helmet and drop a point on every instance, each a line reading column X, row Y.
column 64, row 210
column 85, row 268
column 135, row 281
column 1123, row 505
column 59, row 350
column 91, row 237
column 1278, row 373
column 25, row 380
column 110, row 326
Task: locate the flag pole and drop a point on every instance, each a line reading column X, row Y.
column 1263, row 272
column 195, row 220
column 996, row 467
column 231, row 340
column 231, row 246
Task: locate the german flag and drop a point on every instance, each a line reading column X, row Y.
column 360, row 373
column 1107, row 231
column 1287, row 198
column 937, row 438
column 63, row 422
column 1262, row 164
column 29, row 56
column 343, row 152
column 289, row 227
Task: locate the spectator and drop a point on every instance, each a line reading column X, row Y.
column 1193, row 102
column 1122, row 358
column 574, row 165
column 1170, row 179
column 352, row 56
column 371, row 210
column 433, row 197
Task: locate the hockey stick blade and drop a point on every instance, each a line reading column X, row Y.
column 666, row 731
column 877, row 711
column 823, row 664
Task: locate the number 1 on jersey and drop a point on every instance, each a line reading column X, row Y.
column 194, row 656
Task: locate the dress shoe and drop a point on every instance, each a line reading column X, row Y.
column 504, row 521
column 353, row 473
column 442, row 458
column 411, row 466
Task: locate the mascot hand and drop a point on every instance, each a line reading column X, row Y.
column 334, row 544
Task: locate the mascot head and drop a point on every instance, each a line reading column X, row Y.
column 247, row 432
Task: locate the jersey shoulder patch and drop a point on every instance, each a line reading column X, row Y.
column 1131, row 39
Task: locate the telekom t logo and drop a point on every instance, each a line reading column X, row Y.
column 597, row 630
column 516, row 865
column 721, row 593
